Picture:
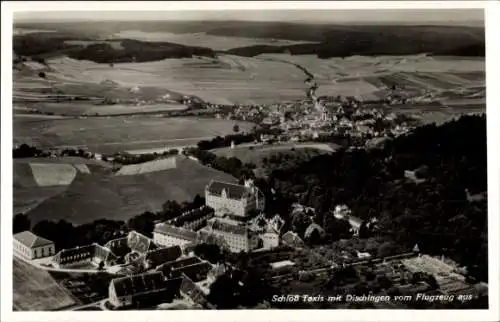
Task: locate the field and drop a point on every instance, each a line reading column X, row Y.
column 257, row 153
column 201, row 39
column 115, row 134
column 228, row 79
column 120, row 197
column 36, row 290
column 370, row 77
column 29, row 193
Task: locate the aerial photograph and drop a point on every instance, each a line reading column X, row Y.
column 217, row 160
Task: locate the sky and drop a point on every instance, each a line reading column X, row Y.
column 413, row 16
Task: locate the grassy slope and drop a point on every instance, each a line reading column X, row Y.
column 27, row 193
column 97, row 196
column 35, row 290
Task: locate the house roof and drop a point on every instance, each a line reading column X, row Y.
column 87, row 251
column 233, row 191
column 177, row 232
column 139, row 243
column 136, row 284
column 219, row 225
column 291, row 238
column 163, row 255
column 27, row 238
column 195, row 272
column 312, row 227
column 167, row 267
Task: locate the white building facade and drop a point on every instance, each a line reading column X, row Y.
column 31, row 246
column 167, row 235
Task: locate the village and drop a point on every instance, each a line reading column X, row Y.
column 165, row 272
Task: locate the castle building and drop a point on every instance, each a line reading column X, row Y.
column 31, row 246
column 237, row 237
column 229, row 198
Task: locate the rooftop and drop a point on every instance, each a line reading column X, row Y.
column 31, row 240
column 177, row 232
column 144, row 283
column 233, row 191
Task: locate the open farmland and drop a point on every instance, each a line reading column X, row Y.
column 36, row 290
column 120, row 197
column 115, row 134
column 224, row 80
column 202, row 39
column 370, row 78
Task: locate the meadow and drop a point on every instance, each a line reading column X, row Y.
column 35, row 290
column 120, row 133
column 106, row 195
column 257, row 154
column 36, row 180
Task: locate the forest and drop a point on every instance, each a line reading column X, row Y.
column 433, row 212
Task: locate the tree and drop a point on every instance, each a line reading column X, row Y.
column 21, row 223
column 300, row 222
column 236, row 128
column 143, row 223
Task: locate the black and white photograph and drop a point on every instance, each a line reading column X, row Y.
column 260, row 159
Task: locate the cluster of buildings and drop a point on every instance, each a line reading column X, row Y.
column 229, row 217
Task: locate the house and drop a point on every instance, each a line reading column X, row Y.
column 168, row 267
column 196, row 272
column 134, row 242
column 143, row 290
column 292, row 239
column 270, row 238
column 232, row 198
column 93, row 254
column 31, row 246
column 157, row 257
column 168, row 235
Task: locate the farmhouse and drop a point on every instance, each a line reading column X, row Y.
column 31, row 246
column 93, row 254
column 143, row 290
column 229, row 198
column 168, row 235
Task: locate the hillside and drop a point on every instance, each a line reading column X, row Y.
column 38, row 179
column 35, row 290
column 46, row 45
column 328, row 40
column 120, row 197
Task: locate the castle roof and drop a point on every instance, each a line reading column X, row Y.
column 233, row 191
